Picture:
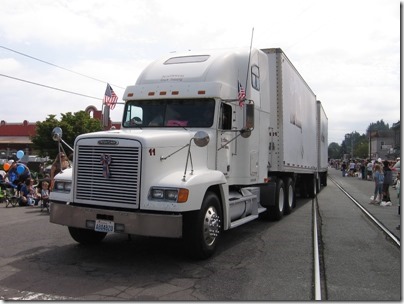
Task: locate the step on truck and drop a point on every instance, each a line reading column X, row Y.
column 209, row 141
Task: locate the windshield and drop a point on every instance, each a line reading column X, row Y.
column 169, row 113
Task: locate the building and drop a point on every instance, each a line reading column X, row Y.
column 14, row 137
column 17, row 136
column 385, row 144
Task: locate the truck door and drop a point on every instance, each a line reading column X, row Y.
column 225, row 135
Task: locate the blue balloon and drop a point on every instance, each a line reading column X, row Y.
column 20, row 154
column 20, row 169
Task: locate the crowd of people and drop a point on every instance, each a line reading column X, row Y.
column 378, row 171
column 30, row 191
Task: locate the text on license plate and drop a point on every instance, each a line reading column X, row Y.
column 104, row 226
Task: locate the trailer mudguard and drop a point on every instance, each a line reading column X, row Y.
column 267, row 194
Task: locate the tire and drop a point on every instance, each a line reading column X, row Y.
column 290, row 197
column 276, row 212
column 86, row 236
column 318, row 184
column 202, row 229
column 311, row 186
column 324, row 179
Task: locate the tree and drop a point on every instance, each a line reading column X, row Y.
column 356, row 144
column 72, row 126
column 334, row 151
column 378, row 126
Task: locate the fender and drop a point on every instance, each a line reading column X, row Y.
column 197, row 183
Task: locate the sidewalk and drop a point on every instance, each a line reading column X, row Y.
column 362, row 190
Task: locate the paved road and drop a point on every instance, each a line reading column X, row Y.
column 259, row 261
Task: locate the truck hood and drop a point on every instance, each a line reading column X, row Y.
column 148, row 137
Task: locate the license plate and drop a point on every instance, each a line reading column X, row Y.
column 104, row 226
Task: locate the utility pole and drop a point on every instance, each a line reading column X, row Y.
column 352, row 145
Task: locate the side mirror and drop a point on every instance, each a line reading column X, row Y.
column 201, row 138
column 249, row 120
column 57, row 134
column 249, row 116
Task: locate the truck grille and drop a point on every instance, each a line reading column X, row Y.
column 121, row 189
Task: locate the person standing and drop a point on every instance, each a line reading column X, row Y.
column 398, row 186
column 388, row 181
column 378, row 178
column 363, row 169
column 370, row 170
column 343, row 169
column 352, row 168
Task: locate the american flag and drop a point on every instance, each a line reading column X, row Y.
column 110, row 97
column 241, row 94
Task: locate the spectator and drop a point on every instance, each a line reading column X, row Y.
column 369, row 168
column 352, row 168
column 398, row 185
column 343, row 169
column 378, row 178
column 17, row 176
column 388, row 181
column 60, row 163
column 363, row 169
column 45, row 194
column 27, row 193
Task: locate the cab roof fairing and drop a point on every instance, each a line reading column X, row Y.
column 218, row 76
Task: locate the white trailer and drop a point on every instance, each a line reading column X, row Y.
column 193, row 157
column 322, row 143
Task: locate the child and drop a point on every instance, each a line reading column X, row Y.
column 27, row 193
column 45, row 195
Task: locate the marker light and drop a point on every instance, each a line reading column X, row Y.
column 169, row 194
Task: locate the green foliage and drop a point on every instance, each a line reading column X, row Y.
column 378, row 126
column 359, row 143
column 334, row 151
column 72, row 126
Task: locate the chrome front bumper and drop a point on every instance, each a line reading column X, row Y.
column 146, row 224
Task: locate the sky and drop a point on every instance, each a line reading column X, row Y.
column 347, row 51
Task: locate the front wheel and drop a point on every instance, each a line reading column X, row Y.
column 86, row 236
column 202, row 229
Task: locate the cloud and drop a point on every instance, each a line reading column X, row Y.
column 347, row 51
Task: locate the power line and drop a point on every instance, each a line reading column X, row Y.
column 57, row 66
column 49, row 87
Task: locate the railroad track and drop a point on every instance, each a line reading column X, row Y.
column 319, row 282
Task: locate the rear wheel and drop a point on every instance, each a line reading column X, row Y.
column 311, row 186
column 86, row 236
column 203, row 228
column 290, row 198
column 276, row 212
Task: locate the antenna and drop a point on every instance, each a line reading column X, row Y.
column 249, row 58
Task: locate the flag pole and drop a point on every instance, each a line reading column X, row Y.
column 249, row 59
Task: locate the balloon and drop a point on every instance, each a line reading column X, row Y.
column 20, row 154
column 6, row 166
column 20, row 169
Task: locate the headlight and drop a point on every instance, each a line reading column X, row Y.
column 178, row 195
column 62, row 186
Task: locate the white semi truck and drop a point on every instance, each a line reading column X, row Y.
column 209, row 141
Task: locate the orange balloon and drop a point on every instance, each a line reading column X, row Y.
column 6, row 166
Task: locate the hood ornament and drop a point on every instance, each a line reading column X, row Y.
column 105, row 162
